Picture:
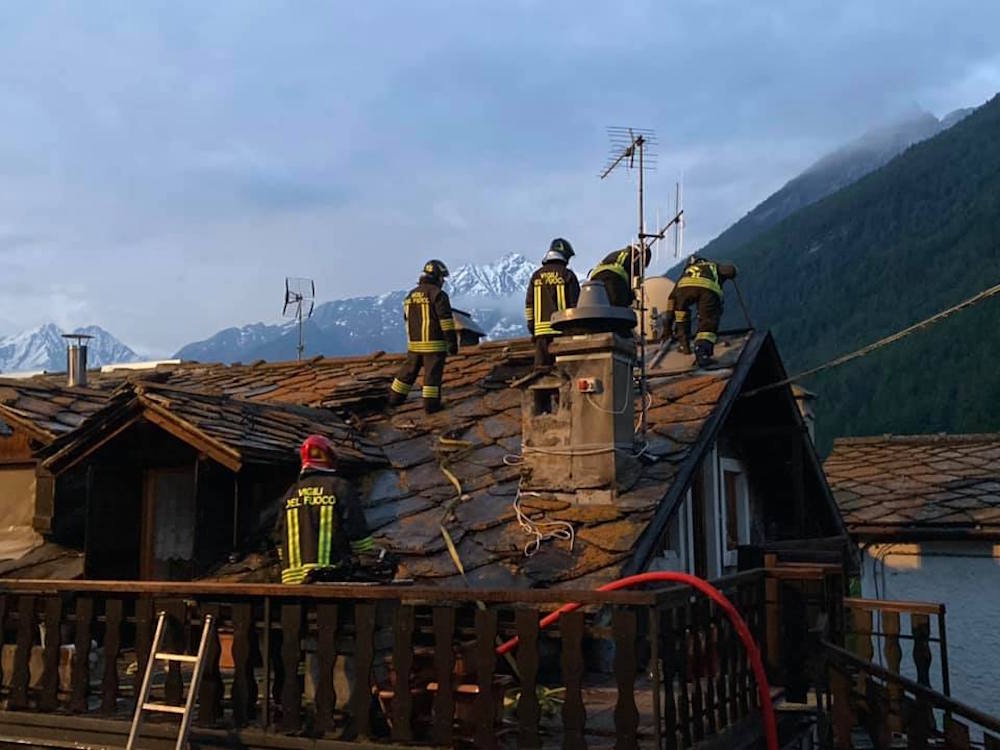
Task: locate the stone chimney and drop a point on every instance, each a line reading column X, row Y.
column 76, row 359
column 578, row 417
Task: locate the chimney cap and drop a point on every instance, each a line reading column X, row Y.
column 594, row 313
column 77, row 338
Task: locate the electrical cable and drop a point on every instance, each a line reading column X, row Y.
column 720, row 599
column 561, row 529
column 866, row 350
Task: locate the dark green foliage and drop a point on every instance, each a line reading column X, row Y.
column 916, row 236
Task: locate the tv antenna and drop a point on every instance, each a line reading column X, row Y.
column 300, row 298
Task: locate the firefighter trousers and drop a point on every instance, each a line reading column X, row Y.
column 433, row 366
column 709, row 306
column 543, row 358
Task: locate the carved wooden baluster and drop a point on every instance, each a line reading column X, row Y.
column 243, row 692
column 574, row 713
column 697, row 670
column 402, row 662
column 486, row 660
column 528, row 711
column 709, row 663
column 623, row 626
column 861, row 641
column 682, row 645
column 176, row 627
column 80, row 678
column 3, row 615
column 918, row 722
column 893, row 659
column 49, row 698
column 920, row 625
column 361, row 695
column 668, row 648
column 291, row 654
column 740, row 661
column 326, row 656
column 144, row 626
column 444, row 669
column 724, row 689
column 956, row 734
column 113, row 616
column 843, row 709
column 21, row 675
column 210, row 692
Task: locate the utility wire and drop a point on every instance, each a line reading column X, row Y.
column 865, row 350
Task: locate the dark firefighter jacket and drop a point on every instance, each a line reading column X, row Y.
column 615, row 272
column 552, row 288
column 706, row 274
column 430, row 327
column 321, row 523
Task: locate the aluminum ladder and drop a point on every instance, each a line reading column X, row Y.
column 142, row 703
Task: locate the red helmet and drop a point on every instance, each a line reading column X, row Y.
column 317, row 453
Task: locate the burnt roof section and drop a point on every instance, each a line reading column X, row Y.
column 232, row 431
column 918, row 486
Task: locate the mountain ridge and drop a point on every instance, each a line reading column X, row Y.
column 43, row 348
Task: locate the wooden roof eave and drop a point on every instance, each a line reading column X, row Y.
column 665, row 509
column 98, row 430
column 189, row 433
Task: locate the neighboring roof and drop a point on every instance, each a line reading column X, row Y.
column 48, row 560
column 230, row 430
column 918, row 486
column 44, row 410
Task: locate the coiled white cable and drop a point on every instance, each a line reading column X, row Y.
column 559, row 529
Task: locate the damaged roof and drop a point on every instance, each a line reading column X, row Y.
column 232, row 431
column 459, row 469
column 45, row 410
column 917, row 486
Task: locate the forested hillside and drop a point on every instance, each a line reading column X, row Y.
column 917, row 235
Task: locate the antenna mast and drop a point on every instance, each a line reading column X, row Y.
column 628, row 146
column 300, row 298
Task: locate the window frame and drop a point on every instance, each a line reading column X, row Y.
column 729, row 558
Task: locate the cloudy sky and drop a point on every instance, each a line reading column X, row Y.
column 163, row 165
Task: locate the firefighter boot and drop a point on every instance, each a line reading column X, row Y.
column 682, row 334
column 703, row 351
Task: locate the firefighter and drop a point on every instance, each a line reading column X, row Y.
column 321, row 527
column 553, row 287
column 699, row 285
column 615, row 272
column 431, row 336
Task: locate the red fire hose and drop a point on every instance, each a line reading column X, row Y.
column 763, row 689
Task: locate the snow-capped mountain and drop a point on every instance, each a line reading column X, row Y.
column 44, row 348
column 492, row 293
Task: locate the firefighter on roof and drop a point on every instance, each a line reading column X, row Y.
column 615, row 272
column 552, row 288
column 431, row 336
column 699, row 285
column 321, row 527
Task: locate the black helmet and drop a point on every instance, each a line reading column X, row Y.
column 559, row 249
column 435, row 271
column 693, row 259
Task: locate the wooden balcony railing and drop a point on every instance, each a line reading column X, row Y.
column 642, row 667
column 882, row 703
column 878, row 631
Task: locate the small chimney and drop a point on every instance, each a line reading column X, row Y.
column 804, row 400
column 577, row 418
column 76, row 358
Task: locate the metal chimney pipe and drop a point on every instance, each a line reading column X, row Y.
column 76, row 359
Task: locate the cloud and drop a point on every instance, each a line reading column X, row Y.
column 163, row 166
